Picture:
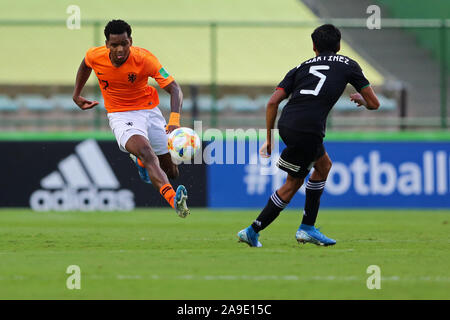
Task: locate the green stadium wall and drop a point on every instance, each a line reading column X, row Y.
column 417, row 9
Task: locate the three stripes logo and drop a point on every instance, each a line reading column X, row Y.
column 84, row 181
column 284, row 164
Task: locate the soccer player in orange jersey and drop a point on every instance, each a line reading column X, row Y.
column 132, row 105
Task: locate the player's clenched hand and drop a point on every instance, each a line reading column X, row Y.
column 266, row 149
column 358, row 99
column 84, row 103
column 170, row 128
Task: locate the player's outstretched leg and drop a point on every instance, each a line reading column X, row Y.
column 166, row 165
column 277, row 202
column 180, row 202
column 140, row 147
column 314, row 189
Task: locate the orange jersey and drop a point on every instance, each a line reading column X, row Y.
column 126, row 88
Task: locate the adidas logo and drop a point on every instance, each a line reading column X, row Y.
column 84, row 181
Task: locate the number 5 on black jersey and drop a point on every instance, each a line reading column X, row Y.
column 314, row 70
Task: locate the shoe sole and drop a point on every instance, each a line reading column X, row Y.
column 316, row 243
column 243, row 241
column 313, row 241
column 246, row 242
column 184, row 210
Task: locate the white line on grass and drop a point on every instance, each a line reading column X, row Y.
column 240, row 278
column 407, row 241
column 278, row 278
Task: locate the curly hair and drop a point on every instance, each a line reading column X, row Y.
column 117, row 27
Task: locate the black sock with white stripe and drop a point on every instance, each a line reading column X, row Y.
column 314, row 190
column 271, row 211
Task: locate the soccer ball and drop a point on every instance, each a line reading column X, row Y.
column 183, row 144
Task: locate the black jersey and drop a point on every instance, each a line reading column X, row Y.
column 314, row 87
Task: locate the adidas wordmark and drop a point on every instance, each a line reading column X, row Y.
column 84, row 181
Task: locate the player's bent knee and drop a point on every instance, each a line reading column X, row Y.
column 323, row 169
column 147, row 155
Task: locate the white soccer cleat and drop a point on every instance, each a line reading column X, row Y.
column 180, row 202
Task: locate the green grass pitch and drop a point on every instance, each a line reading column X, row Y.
column 153, row 254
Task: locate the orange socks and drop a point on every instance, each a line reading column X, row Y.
column 168, row 193
column 166, row 190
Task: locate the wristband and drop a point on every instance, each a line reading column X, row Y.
column 174, row 119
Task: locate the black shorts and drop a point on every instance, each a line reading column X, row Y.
column 301, row 152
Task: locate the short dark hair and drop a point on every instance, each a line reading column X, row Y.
column 117, row 27
column 326, row 38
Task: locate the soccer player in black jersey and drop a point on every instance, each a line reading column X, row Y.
column 313, row 88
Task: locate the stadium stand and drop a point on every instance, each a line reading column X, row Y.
column 7, row 104
column 432, row 9
column 164, row 102
column 344, row 104
column 396, row 53
column 391, row 60
column 204, row 102
column 64, row 102
column 34, row 102
column 227, row 103
column 240, row 103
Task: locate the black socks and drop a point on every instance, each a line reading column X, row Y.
column 314, row 190
column 271, row 211
column 275, row 205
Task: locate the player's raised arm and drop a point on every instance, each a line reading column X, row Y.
column 367, row 98
column 82, row 76
column 176, row 101
column 154, row 69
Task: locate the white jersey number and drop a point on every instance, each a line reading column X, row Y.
column 313, row 70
